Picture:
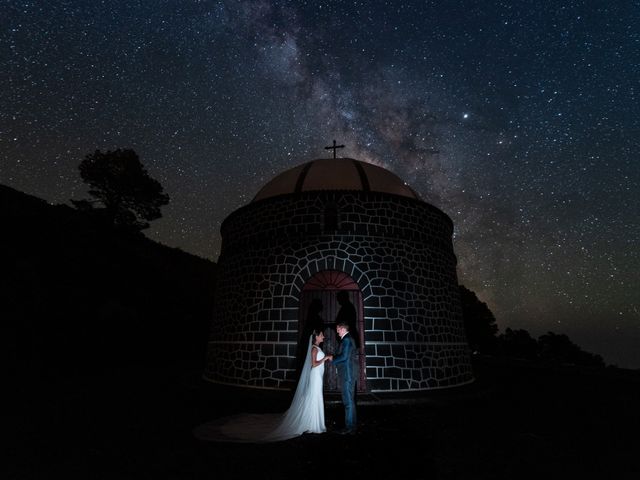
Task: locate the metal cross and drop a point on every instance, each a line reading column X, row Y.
column 334, row 148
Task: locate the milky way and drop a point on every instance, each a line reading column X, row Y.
column 519, row 121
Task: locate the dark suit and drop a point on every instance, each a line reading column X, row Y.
column 348, row 367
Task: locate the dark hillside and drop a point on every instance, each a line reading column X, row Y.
column 79, row 297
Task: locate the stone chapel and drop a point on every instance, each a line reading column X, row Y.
column 330, row 225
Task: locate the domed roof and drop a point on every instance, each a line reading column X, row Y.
column 336, row 174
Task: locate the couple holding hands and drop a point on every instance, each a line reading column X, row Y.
column 346, row 362
column 306, row 411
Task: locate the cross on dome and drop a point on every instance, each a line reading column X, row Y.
column 334, row 148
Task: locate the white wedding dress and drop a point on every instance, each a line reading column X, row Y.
column 305, row 414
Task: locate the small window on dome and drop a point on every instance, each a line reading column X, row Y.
column 331, row 222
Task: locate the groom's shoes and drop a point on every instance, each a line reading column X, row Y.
column 346, row 431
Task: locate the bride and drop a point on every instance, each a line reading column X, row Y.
column 305, row 414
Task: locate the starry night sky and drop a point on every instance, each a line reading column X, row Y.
column 518, row 119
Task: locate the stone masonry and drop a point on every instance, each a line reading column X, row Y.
column 397, row 249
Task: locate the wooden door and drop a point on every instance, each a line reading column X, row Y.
column 323, row 288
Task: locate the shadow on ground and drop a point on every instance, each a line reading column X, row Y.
column 517, row 421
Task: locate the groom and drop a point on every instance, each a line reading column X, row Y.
column 346, row 362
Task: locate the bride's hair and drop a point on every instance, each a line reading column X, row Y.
column 314, row 334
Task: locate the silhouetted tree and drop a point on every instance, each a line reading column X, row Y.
column 481, row 329
column 559, row 349
column 479, row 322
column 517, row 344
column 121, row 184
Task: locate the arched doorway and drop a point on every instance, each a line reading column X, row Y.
column 321, row 290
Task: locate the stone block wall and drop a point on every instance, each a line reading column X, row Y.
column 398, row 250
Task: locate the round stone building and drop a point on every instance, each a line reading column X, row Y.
column 331, row 225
